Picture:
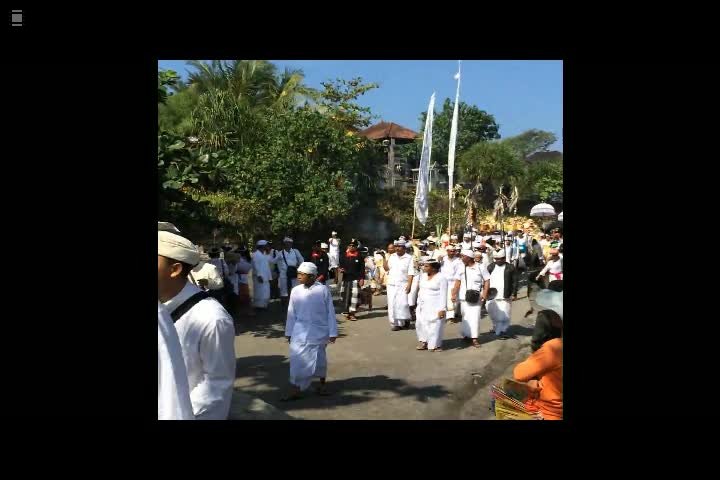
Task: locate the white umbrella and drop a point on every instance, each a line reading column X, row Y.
column 542, row 210
column 560, row 217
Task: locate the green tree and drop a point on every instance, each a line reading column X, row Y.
column 166, row 79
column 474, row 125
column 491, row 164
column 545, row 178
column 252, row 83
column 339, row 100
column 176, row 114
column 530, row 141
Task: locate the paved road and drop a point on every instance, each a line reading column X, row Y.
column 374, row 373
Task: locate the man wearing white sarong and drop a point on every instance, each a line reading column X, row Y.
column 451, row 269
column 261, row 277
column 400, row 276
column 310, row 326
column 473, row 277
column 504, row 285
column 205, row 329
column 289, row 259
column 431, row 306
column 173, row 391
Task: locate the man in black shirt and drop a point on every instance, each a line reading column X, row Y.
column 352, row 264
column 321, row 261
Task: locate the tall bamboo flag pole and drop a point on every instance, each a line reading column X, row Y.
column 451, row 148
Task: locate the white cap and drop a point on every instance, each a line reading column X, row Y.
column 408, row 245
column 167, row 227
column 177, row 248
column 308, row 267
column 499, row 253
column 466, row 235
column 453, row 237
column 468, row 253
column 261, row 243
column 324, row 245
column 402, row 237
column 399, row 243
column 477, row 243
column 287, row 239
column 333, row 233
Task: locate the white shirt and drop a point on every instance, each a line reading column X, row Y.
column 261, row 266
column 208, row 271
column 497, row 280
column 173, row 391
column 311, row 315
column 207, row 337
column 554, row 267
column 293, row 259
column 451, row 269
column 432, row 295
column 476, row 275
column 272, row 259
column 399, row 269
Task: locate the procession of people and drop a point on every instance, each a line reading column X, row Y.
column 429, row 284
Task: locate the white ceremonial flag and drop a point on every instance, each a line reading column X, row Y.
column 421, row 193
column 453, row 138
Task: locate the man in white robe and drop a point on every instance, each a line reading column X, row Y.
column 473, row 277
column 261, row 277
column 504, row 286
column 173, row 391
column 289, row 259
column 451, row 268
column 400, row 273
column 431, row 306
column 310, row 326
column 205, row 329
column 334, row 251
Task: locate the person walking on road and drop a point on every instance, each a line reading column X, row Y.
column 474, row 285
column 431, row 306
column 504, row 290
column 400, row 277
column 352, row 266
column 310, row 326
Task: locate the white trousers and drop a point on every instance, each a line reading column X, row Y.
column 470, row 319
column 261, row 293
column 283, row 281
column 398, row 308
column 430, row 331
column 451, row 306
column 307, row 361
column 499, row 312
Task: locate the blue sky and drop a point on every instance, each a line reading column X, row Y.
column 521, row 94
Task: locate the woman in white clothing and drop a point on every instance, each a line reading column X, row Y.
column 431, row 306
column 473, row 277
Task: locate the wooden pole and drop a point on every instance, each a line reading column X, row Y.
column 413, row 225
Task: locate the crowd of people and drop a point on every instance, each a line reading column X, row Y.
column 427, row 282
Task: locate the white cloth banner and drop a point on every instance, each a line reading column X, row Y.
column 421, row 193
column 453, row 138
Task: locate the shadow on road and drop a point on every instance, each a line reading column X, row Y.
column 460, row 343
column 271, row 372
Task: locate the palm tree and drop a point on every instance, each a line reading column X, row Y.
column 254, row 83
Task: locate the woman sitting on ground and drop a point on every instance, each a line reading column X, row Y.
column 543, row 368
